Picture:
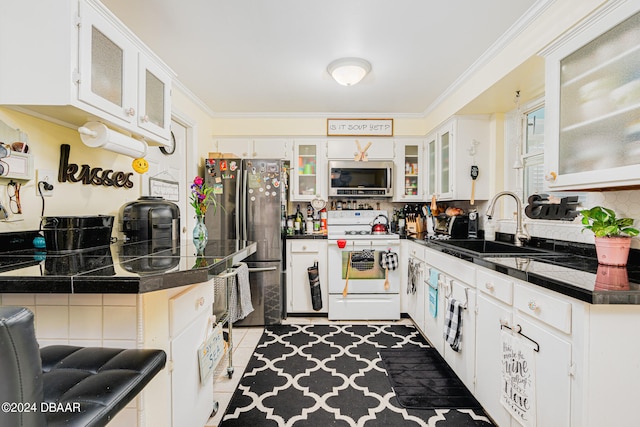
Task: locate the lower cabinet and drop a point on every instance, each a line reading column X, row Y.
column 302, row 254
column 463, row 360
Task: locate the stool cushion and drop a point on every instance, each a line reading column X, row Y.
column 99, row 381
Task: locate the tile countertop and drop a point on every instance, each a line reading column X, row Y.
column 118, row 268
column 575, row 274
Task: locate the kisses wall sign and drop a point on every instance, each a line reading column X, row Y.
column 88, row 175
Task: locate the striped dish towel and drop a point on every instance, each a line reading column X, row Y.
column 240, row 299
column 453, row 324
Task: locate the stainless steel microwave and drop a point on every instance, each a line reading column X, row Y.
column 360, row 179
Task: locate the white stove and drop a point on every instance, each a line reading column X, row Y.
column 359, row 288
column 357, row 224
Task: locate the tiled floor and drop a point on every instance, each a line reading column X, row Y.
column 244, row 342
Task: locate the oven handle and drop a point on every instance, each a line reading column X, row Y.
column 368, row 243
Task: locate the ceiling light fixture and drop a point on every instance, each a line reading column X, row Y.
column 349, row 71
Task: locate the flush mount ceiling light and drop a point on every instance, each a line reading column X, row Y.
column 349, row 71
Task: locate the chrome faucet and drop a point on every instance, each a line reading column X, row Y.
column 521, row 233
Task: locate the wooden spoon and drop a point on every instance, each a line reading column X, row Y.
column 346, row 282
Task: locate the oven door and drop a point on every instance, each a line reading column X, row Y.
column 360, row 260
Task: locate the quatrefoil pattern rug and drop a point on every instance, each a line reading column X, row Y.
column 331, row 375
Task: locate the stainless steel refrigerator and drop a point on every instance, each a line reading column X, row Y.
column 253, row 193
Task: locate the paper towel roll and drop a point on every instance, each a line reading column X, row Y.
column 97, row 135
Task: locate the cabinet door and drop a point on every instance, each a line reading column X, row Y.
column 553, row 380
column 347, row 149
column 463, row 361
column 154, row 98
column 309, row 171
column 108, row 64
column 593, row 104
column 445, row 163
column 272, row 148
column 240, row 148
column 434, row 325
column 431, row 162
column 490, row 314
column 409, row 173
column 302, row 255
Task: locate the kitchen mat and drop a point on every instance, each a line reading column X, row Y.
column 421, row 379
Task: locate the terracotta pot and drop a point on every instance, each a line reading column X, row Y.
column 613, row 250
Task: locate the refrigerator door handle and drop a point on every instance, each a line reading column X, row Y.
column 258, row 270
column 243, row 220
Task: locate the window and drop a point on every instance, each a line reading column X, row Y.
column 533, row 152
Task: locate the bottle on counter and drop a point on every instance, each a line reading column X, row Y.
column 297, row 226
column 323, row 219
column 401, row 222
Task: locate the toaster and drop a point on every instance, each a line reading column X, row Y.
column 456, row 227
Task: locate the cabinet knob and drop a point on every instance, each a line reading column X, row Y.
column 304, row 248
column 145, row 118
column 130, row 111
column 552, row 176
column 200, row 302
column 533, row 306
column 489, row 286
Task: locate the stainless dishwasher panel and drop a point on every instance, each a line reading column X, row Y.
column 266, row 294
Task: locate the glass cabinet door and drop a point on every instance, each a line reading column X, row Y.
column 431, row 167
column 306, row 173
column 411, row 170
column 108, row 66
column 600, row 102
column 154, row 91
column 444, row 178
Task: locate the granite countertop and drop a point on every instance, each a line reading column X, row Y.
column 572, row 270
column 118, row 268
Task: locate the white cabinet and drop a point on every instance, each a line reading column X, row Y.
column 592, row 131
column 409, row 174
column 309, row 178
column 302, row 254
column 256, row 148
column 463, row 361
column 451, row 150
column 415, row 291
column 347, row 148
column 189, row 324
column 491, row 313
column 76, row 62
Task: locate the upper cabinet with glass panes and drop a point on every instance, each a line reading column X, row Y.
column 593, row 103
column 77, row 62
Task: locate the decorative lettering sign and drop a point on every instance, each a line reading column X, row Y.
column 359, row 127
column 518, row 393
column 90, row 176
column 169, row 190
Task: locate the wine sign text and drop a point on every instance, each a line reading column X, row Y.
column 90, row 175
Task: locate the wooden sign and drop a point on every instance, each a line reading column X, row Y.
column 359, row 127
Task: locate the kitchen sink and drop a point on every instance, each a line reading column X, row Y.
column 485, row 248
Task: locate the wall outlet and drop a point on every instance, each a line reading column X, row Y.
column 45, row 182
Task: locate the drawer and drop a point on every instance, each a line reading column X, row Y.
column 553, row 311
column 496, row 285
column 416, row 251
column 305, row 245
column 452, row 266
column 185, row 307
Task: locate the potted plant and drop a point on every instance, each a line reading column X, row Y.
column 612, row 234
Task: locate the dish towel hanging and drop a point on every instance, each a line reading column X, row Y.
column 453, row 324
column 240, row 305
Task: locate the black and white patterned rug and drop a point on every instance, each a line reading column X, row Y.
column 330, row 375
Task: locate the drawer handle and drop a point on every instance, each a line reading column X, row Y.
column 304, row 248
column 489, row 286
column 533, row 306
